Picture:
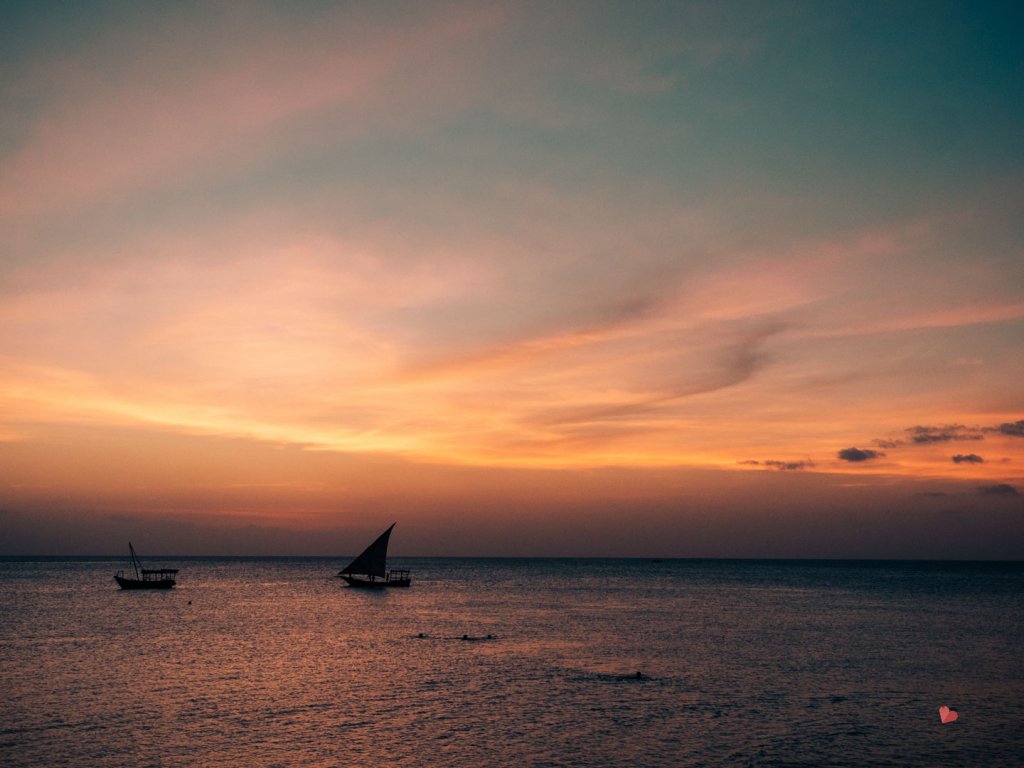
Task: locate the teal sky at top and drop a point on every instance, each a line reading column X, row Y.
column 802, row 96
column 789, row 121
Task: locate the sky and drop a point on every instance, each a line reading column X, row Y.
column 681, row 279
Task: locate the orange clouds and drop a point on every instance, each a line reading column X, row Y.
column 308, row 341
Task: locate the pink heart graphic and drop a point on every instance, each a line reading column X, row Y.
column 947, row 715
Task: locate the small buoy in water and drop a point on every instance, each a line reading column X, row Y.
column 190, row 602
column 639, row 675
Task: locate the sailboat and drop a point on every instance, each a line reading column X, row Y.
column 162, row 578
column 370, row 568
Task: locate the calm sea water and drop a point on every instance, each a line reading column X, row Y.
column 274, row 662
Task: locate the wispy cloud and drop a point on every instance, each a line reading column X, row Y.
column 955, row 317
column 886, row 443
column 671, row 375
column 943, row 434
column 782, row 466
column 163, row 113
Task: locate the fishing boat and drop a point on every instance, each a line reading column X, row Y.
column 145, row 578
column 370, row 568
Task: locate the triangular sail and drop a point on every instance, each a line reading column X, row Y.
column 373, row 560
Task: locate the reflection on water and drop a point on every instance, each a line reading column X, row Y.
column 276, row 662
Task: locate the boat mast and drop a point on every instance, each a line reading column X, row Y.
column 135, row 560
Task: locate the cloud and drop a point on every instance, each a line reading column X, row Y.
column 943, row 434
column 789, row 465
column 928, row 435
column 965, row 315
column 782, row 466
column 859, row 454
column 967, row 458
column 1000, row 489
column 672, row 376
column 887, row 443
column 1013, row 429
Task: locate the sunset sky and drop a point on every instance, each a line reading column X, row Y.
column 551, row 278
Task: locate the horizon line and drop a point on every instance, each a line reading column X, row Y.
column 649, row 558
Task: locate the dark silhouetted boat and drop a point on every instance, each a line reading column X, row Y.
column 370, row 568
column 161, row 578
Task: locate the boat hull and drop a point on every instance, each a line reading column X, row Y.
column 354, row 581
column 140, row 584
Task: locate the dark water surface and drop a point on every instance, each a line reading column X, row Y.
column 274, row 662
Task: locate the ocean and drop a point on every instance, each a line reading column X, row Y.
column 275, row 662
